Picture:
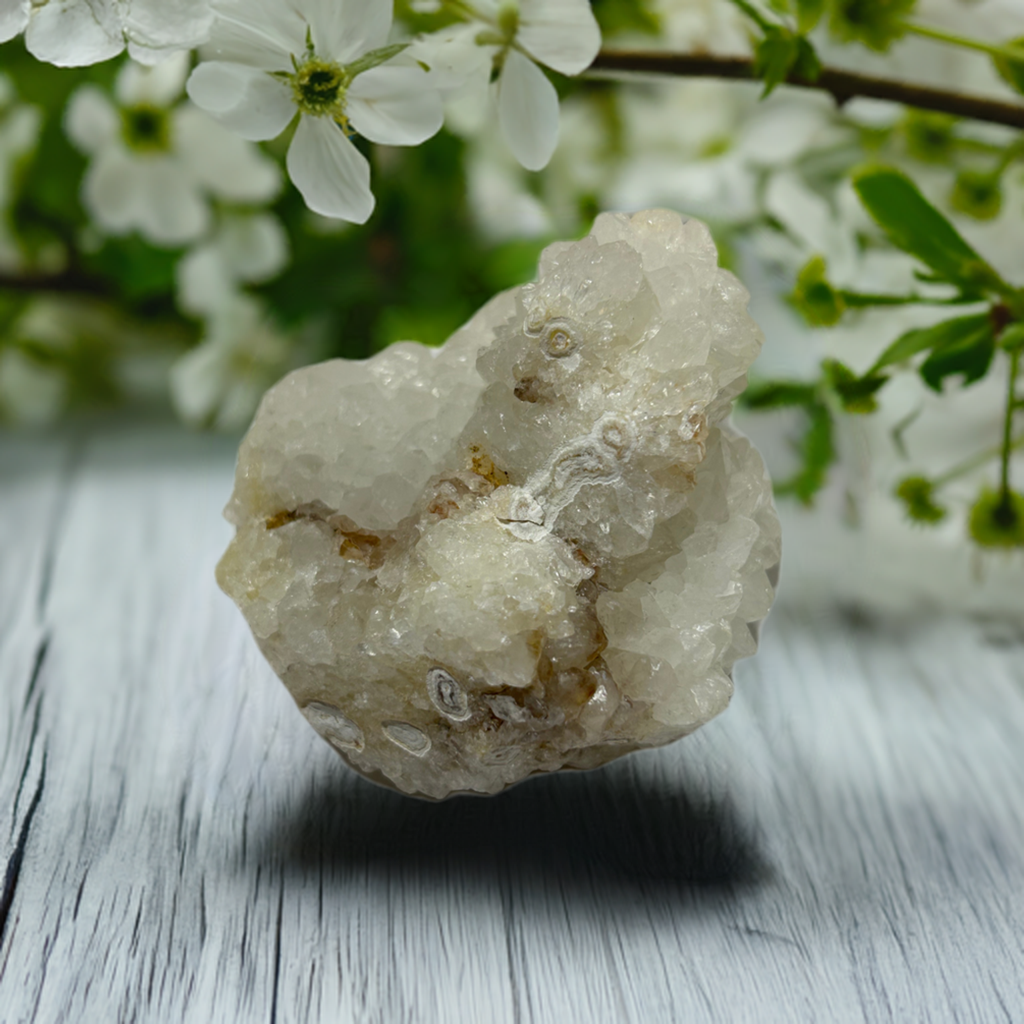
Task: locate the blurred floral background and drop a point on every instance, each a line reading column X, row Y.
column 183, row 220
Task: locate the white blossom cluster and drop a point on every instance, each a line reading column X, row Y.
column 183, row 172
column 183, row 147
column 331, row 65
column 72, row 33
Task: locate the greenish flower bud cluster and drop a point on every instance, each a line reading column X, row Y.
column 876, row 24
column 918, row 496
column 997, row 520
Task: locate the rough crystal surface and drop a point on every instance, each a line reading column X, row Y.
column 538, row 547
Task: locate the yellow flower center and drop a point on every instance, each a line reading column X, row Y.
column 319, row 86
column 146, row 128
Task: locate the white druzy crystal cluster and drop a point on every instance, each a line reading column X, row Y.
column 538, row 547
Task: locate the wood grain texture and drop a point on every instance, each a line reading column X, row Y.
column 846, row 843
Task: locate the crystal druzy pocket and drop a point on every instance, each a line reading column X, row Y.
column 538, row 547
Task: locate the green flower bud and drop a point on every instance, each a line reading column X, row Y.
column 977, row 194
column 875, row 23
column 918, row 495
column 508, row 20
column 929, row 136
column 816, row 300
column 997, row 519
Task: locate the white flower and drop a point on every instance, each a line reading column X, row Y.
column 510, row 39
column 245, row 249
column 326, row 60
column 220, row 382
column 75, row 32
column 154, row 164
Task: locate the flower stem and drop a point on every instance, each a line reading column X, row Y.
column 974, row 461
column 467, row 12
column 859, row 300
column 1005, row 499
column 753, row 14
column 1007, row 157
column 843, row 85
column 992, row 49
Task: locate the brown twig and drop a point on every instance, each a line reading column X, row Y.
column 843, row 85
column 66, row 282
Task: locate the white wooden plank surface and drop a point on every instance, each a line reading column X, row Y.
column 846, row 843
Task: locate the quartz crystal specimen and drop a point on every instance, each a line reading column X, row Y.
column 538, row 547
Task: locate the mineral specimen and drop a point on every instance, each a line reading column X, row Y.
column 538, row 547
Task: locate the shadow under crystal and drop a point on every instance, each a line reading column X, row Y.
column 610, row 829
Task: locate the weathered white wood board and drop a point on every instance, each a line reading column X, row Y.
column 846, row 843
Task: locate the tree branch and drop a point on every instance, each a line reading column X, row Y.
column 843, row 85
column 67, row 281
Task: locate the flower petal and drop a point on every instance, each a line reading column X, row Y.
column 112, row 191
column 69, row 33
column 160, row 84
column 91, row 121
column 156, row 28
column 254, row 246
column 151, row 194
column 198, row 381
column 395, row 106
column 203, row 280
column 563, row 34
column 223, row 163
column 13, row 18
column 527, row 111
column 452, row 54
column 332, row 175
column 346, row 29
column 247, row 100
column 174, row 212
column 261, row 33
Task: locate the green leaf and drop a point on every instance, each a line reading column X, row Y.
column 775, row 55
column 808, row 14
column 925, row 339
column 618, row 16
column 856, row 393
column 780, row 52
column 1012, row 71
column 816, row 447
column 918, row 228
column 779, row 394
column 970, row 355
column 815, row 299
column 374, row 59
column 806, row 64
column 817, row 452
column 754, row 15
